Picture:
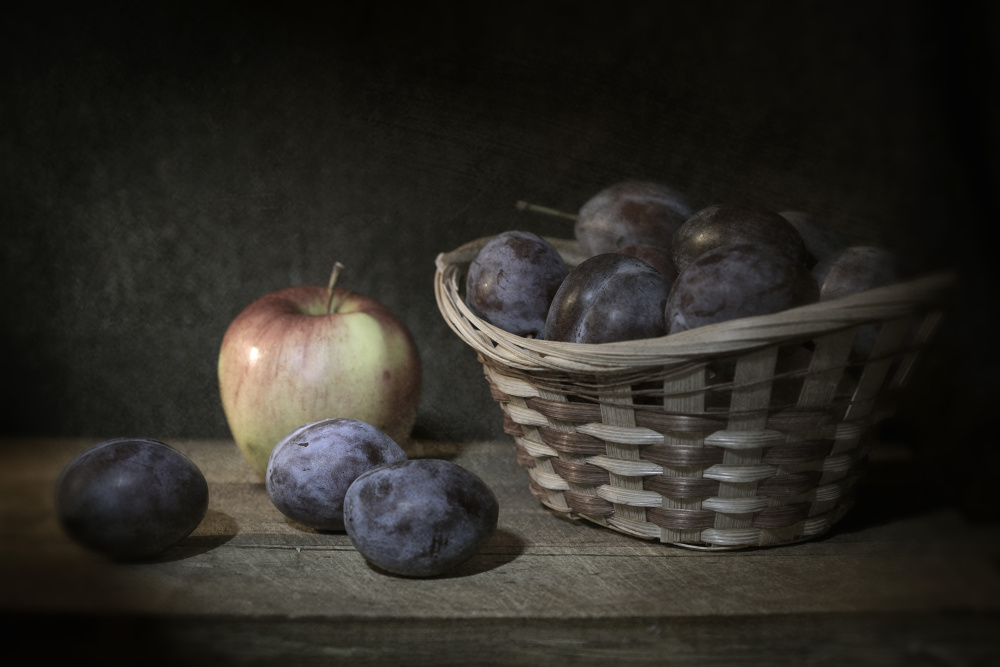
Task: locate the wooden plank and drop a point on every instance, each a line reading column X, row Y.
column 249, row 573
column 867, row 639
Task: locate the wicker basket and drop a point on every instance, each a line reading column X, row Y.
column 744, row 433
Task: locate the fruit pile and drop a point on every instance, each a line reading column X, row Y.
column 656, row 267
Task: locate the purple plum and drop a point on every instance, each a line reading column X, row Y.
column 512, row 280
column 630, row 212
column 855, row 269
column 131, row 498
column 312, row 467
column 420, row 517
column 852, row 270
column 820, row 239
column 609, row 297
column 726, row 224
column 656, row 256
column 739, row 280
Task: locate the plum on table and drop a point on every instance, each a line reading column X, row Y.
column 312, row 467
column 131, row 498
column 420, row 517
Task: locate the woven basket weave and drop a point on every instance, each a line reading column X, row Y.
column 744, row 433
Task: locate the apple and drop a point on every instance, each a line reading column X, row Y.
column 307, row 353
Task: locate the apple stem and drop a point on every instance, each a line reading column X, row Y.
column 337, row 267
column 535, row 208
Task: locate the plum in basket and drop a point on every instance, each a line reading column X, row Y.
column 852, row 270
column 821, row 240
column 855, row 269
column 727, row 224
column 630, row 212
column 734, row 281
column 609, row 297
column 512, row 280
column 656, row 256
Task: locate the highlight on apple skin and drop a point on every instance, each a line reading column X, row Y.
column 285, row 361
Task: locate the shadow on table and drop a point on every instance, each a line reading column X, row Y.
column 892, row 491
column 502, row 549
column 214, row 530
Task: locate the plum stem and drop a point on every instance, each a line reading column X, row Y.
column 535, row 208
column 337, row 267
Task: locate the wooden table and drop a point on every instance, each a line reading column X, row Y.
column 901, row 581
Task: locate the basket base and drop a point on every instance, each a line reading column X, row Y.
column 624, row 527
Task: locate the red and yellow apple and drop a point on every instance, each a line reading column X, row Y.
column 305, row 353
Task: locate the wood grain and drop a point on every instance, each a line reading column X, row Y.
column 249, row 586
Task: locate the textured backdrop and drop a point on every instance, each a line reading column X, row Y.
column 164, row 164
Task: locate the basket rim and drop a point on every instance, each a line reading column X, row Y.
column 928, row 293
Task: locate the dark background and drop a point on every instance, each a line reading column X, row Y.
column 164, row 164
